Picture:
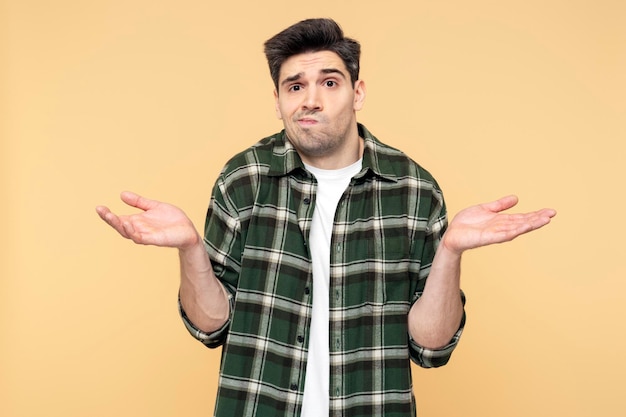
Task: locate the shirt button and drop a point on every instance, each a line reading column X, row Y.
column 293, row 387
column 339, row 247
column 300, row 339
column 337, row 343
column 307, row 291
column 337, row 392
column 307, row 200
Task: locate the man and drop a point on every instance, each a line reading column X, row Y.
column 324, row 268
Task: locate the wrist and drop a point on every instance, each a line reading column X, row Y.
column 449, row 248
column 192, row 244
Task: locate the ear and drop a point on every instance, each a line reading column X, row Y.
column 359, row 94
column 278, row 113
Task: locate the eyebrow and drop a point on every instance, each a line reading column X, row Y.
column 293, row 78
column 299, row 75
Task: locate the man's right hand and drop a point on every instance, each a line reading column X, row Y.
column 203, row 298
column 159, row 224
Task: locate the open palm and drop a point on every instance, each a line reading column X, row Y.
column 159, row 223
column 485, row 224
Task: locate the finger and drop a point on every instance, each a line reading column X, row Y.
column 111, row 219
column 130, row 233
column 135, row 200
column 501, row 204
column 530, row 221
column 543, row 217
column 106, row 215
column 102, row 211
column 537, row 218
column 548, row 212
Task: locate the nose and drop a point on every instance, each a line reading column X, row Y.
column 312, row 100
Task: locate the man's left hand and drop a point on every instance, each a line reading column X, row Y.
column 485, row 224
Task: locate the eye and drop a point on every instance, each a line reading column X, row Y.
column 294, row 88
column 330, row 83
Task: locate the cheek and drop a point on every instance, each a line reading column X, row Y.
column 346, row 111
column 284, row 110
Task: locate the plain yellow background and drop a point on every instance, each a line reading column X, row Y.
column 493, row 97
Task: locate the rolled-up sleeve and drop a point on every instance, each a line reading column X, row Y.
column 222, row 243
column 436, row 227
column 212, row 339
column 434, row 358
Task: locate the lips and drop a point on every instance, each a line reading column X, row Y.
column 307, row 121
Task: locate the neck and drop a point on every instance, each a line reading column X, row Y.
column 348, row 155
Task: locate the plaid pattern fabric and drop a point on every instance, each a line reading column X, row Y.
column 387, row 227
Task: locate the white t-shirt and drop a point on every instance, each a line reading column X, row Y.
column 331, row 185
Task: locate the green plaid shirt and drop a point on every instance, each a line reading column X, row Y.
column 387, row 227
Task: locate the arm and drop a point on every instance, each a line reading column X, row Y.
column 202, row 296
column 436, row 315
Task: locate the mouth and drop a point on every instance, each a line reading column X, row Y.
column 307, row 121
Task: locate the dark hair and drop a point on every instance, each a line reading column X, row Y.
column 312, row 35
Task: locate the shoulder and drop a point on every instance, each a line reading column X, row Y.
column 253, row 161
column 391, row 162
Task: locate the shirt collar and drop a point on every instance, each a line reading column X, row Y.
column 285, row 158
column 375, row 162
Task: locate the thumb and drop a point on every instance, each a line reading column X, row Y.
column 501, row 204
column 135, row 200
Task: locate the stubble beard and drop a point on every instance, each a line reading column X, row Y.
column 315, row 141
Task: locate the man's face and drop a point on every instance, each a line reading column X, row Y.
column 317, row 104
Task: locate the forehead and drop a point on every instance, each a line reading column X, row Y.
column 311, row 63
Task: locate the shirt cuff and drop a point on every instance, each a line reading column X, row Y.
column 212, row 339
column 434, row 358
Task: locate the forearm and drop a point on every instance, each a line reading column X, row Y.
column 203, row 298
column 436, row 315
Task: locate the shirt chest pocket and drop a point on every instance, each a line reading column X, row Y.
column 388, row 278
